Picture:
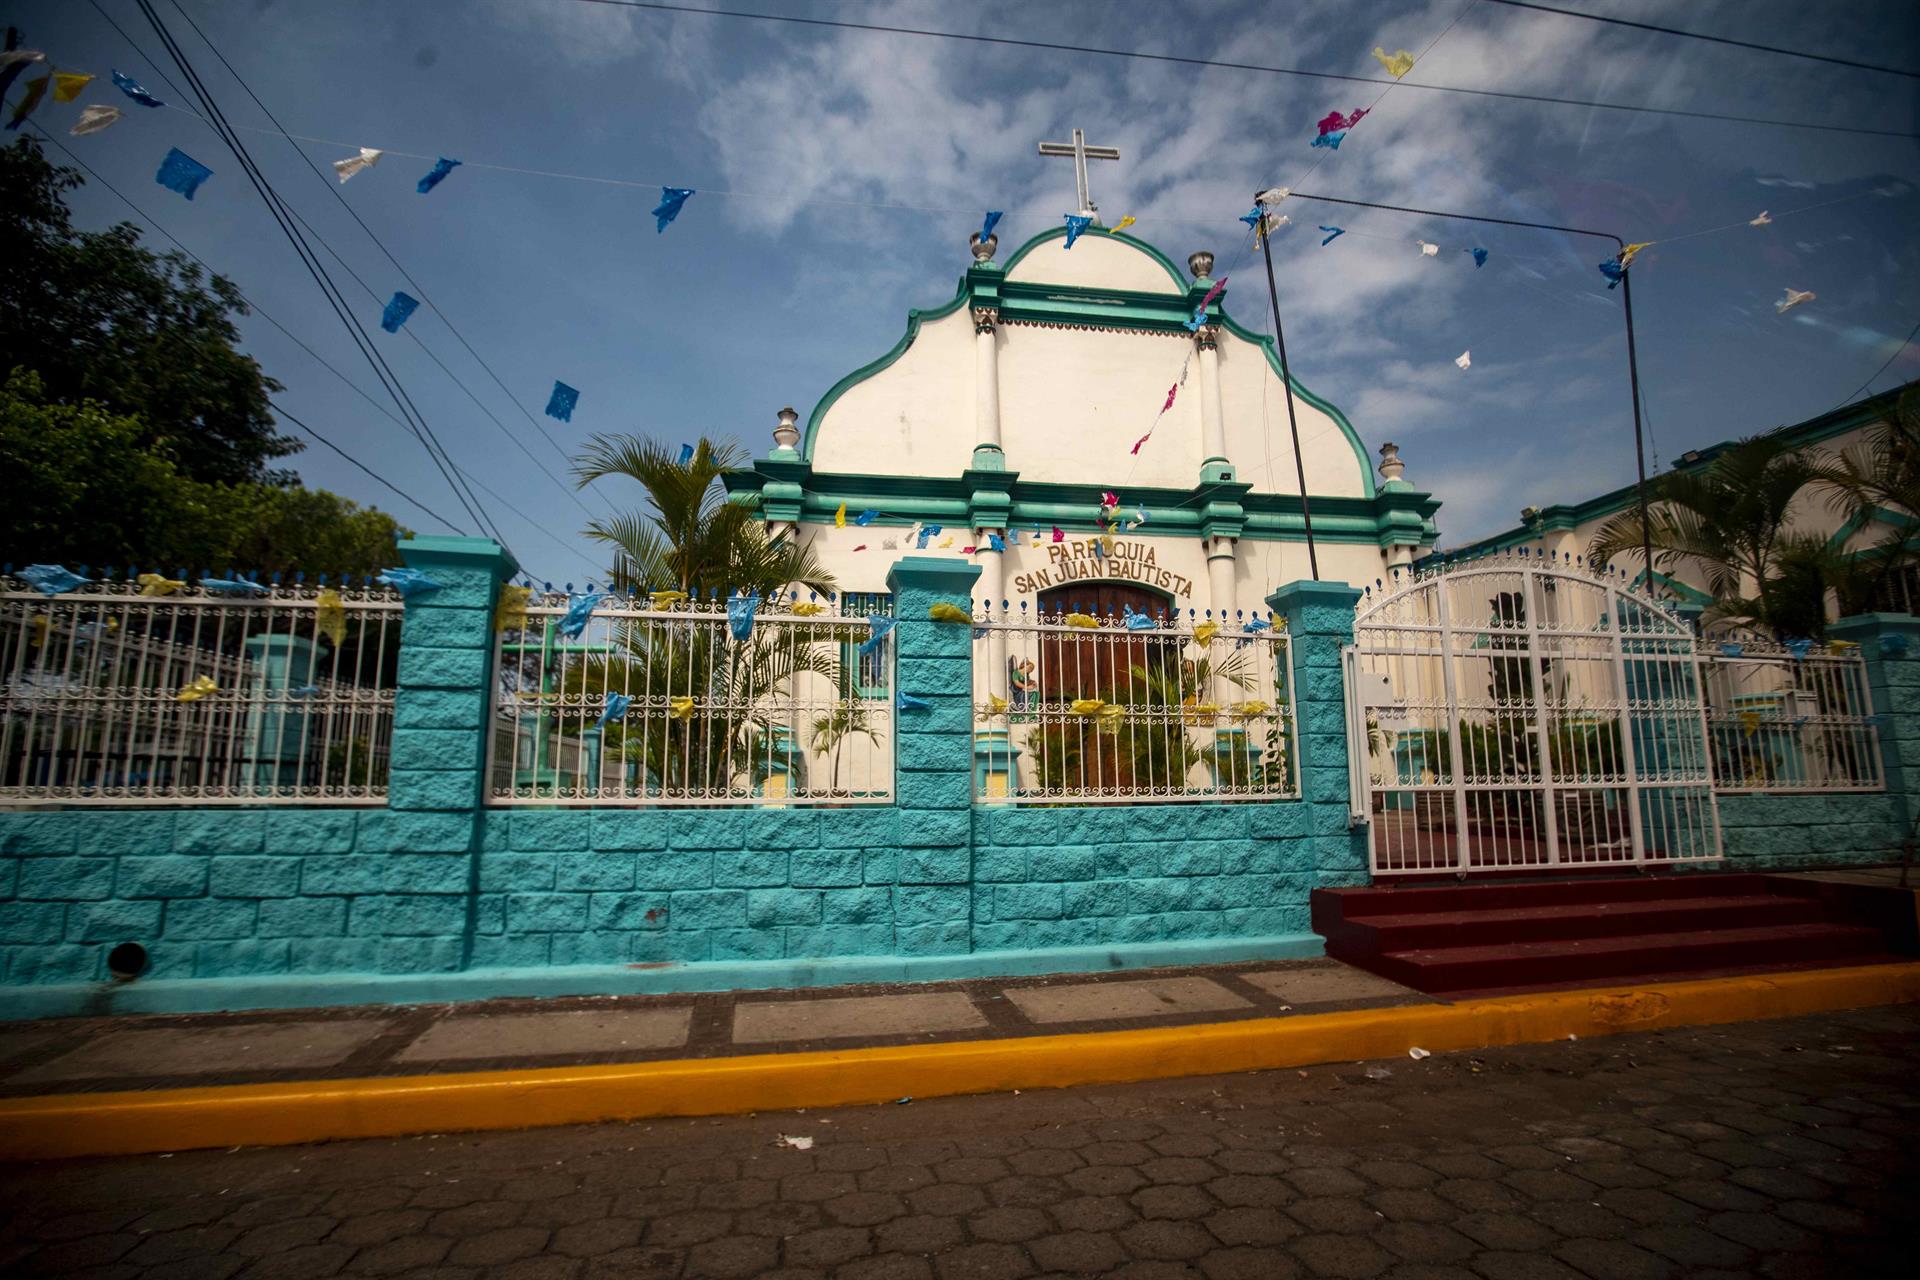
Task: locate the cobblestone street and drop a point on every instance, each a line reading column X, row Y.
column 1779, row 1149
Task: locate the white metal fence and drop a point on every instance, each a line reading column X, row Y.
column 1513, row 714
column 1082, row 709
column 169, row 692
column 1781, row 721
column 655, row 702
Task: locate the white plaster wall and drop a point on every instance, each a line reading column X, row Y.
column 1074, row 401
column 1096, row 261
column 1254, row 404
column 913, row 418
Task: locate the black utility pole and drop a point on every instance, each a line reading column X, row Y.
column 1286, row 380
column 1633, row 361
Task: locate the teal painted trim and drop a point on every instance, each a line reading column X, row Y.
column 1060, row 233
column 1692, row 595
column 914, row 320
column 208, row 995
column 1327, row 407
column 1564, row 516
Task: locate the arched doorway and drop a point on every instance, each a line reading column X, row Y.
column 1115, row 666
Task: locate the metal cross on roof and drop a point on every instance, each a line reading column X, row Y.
column 1081, row 153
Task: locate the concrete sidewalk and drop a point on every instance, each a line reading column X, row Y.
column 79, row 1055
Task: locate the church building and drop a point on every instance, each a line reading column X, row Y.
column 1072, row 368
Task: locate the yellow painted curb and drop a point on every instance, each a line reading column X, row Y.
column 312, row 1111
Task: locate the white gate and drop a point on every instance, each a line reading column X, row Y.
column 1516, row 713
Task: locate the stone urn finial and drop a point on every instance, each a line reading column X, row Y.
column 787, row 434
column 1391, row 468
column 983, row 249
column 1201, row 264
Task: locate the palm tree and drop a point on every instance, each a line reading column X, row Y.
column 1878, row 480
column 848, row 719
column 1728, row 520
column 693, row 538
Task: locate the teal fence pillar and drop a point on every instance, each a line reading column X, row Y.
column 436, row 772
column 1319, row 619
column 1890, row 644
column 933, row 780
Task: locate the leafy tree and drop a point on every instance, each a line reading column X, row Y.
column 146, row 334
column 1877, row 483
column 85, row 488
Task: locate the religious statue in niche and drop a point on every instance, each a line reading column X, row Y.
column 1021, row 681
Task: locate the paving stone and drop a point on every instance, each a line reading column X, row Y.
column 1136, row 998
column 1350, row 1257
column 1247, row 1263
column 493, row 1248
column 1328, row 985
column 537, row 1035
column 1615, row 1260
column 984, row 1262
column 282, row 1046
column 835, row 1018
column 1077, row 1252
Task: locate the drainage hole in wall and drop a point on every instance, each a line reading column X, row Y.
column 127, row 961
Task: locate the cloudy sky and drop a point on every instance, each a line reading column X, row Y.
column 840, row 173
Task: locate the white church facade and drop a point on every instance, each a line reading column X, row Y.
column 1002, row 417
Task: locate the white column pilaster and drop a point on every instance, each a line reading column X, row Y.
column 1213, row 418
column 986, row 381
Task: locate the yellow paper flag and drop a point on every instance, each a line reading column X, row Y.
column 1627, row 254
column 39, row 630
column 809, row 609
column 680, row 708
column 945, row 612
column 661, row 599
column 1081, row 620
column 68, row 84
column 510, row 614
column 1397, row 63
column 154, row 584
column 200, row 688
column 330, row 616
column 1749, row 722
column 1248, row 710
column 840, row 517
column 1088, row 706
column 1206, row 631
column 1125, row 222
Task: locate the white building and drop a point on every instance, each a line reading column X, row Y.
column 1011, row 408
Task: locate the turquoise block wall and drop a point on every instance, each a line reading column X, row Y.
column 436, row 896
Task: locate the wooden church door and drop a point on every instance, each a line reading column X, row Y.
column 1117, row 667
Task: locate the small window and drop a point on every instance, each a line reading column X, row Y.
column 862, row 676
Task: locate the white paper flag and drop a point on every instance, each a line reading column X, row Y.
column 1428, row 250
column 1466, row 360
column 14, row 56
column 94, row 119
column 1793, row 299
column 1762, row 221
column 367, row 158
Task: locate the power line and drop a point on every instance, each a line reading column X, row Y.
column 1695, row 35
column 256, row 309
column 1897, row 353
column 375, row 476
column 1060, row 47
column 333, row 190
column 277, row 208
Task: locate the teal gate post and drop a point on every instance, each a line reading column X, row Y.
column 1890, row 645
column 933, row 785
column 436, row 783
column 1319, row 617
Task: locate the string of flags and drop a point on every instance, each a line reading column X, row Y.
column 434, row 176
column 1334, row 127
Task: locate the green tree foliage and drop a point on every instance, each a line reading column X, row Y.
column 145, row 334
column 85, row 487
column 1877, row 484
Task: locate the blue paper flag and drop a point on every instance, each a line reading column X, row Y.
column 131, row 87
column 920, row 543
column 50, row 579
column 560, row 403
column 1330, row 140
column 740, row 611
column 579, row 609
column 671, row 199
column 993, row 220
column 1253, row 216
column 231, row 587
column 1479, row 257
column 1258, row 625
column 181, row 172
column 1798, row 648
column 996, row 543
column 910, row 703
column 882, row 627
column 1137, row 621
column 686, row 454
column 616, row 709
column 1733, row 650
column 1076, row 224
column 408, row 582
column 866, row 517
column 436, row 175
column 1334, row 233
column 1613, row 271
column 398, row 308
